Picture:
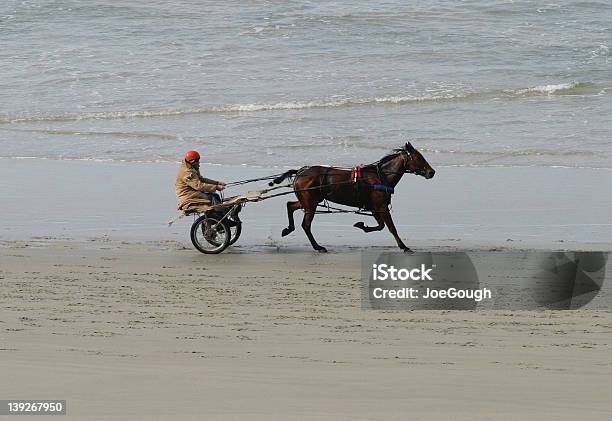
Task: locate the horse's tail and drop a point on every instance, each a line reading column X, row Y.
column 282, row 177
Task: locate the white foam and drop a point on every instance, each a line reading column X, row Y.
column 331, row 102
column 548, row 89
column 290, row 105
column 298, row 105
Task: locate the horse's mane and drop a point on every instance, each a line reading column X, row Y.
column 388, row 157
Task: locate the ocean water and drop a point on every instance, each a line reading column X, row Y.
column 286, row 83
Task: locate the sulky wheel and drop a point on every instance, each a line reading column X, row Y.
column 209, row 235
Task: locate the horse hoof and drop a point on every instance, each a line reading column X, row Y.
column 359, row 225
column 408, row 250
column 322, row 250
column 286, row 232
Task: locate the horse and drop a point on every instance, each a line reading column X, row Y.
column 368, row 188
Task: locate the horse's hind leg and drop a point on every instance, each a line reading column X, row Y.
column 306, row 223
column 291, row 207
column 379, row 227
column 389, row 221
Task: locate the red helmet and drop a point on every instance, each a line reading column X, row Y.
column 192, row 156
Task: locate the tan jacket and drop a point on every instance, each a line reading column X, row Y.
column 189, row 184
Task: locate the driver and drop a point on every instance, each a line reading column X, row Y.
column 191, row 188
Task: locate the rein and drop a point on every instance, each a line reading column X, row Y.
column 252, row 180
column 377, row 164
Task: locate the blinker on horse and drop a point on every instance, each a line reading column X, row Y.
column 368, row 188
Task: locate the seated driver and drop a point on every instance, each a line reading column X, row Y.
column 191, row 188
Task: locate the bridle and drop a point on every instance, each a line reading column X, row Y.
column 383, row 161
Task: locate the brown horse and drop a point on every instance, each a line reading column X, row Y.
column 368, row 188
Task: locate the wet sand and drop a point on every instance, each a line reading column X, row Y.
column 155, row 330
column 535, row 207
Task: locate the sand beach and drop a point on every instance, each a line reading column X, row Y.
column 120, row 316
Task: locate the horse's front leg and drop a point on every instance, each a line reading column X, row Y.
column 379, row 227
column 291, row 208
column 386, row 215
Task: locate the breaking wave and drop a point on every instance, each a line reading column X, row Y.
column 235, row 108
column 570, row 88
column 552, row 89
column 338, row 103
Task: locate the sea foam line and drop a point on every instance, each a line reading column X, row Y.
column 562, row 88
column 550, row 89
column 291, row 105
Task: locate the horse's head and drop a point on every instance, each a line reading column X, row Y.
column 413, row 162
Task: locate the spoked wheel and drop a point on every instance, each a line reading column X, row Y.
column 235, row 227
column 210, row 235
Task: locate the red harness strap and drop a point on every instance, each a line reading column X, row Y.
column 355, row 174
